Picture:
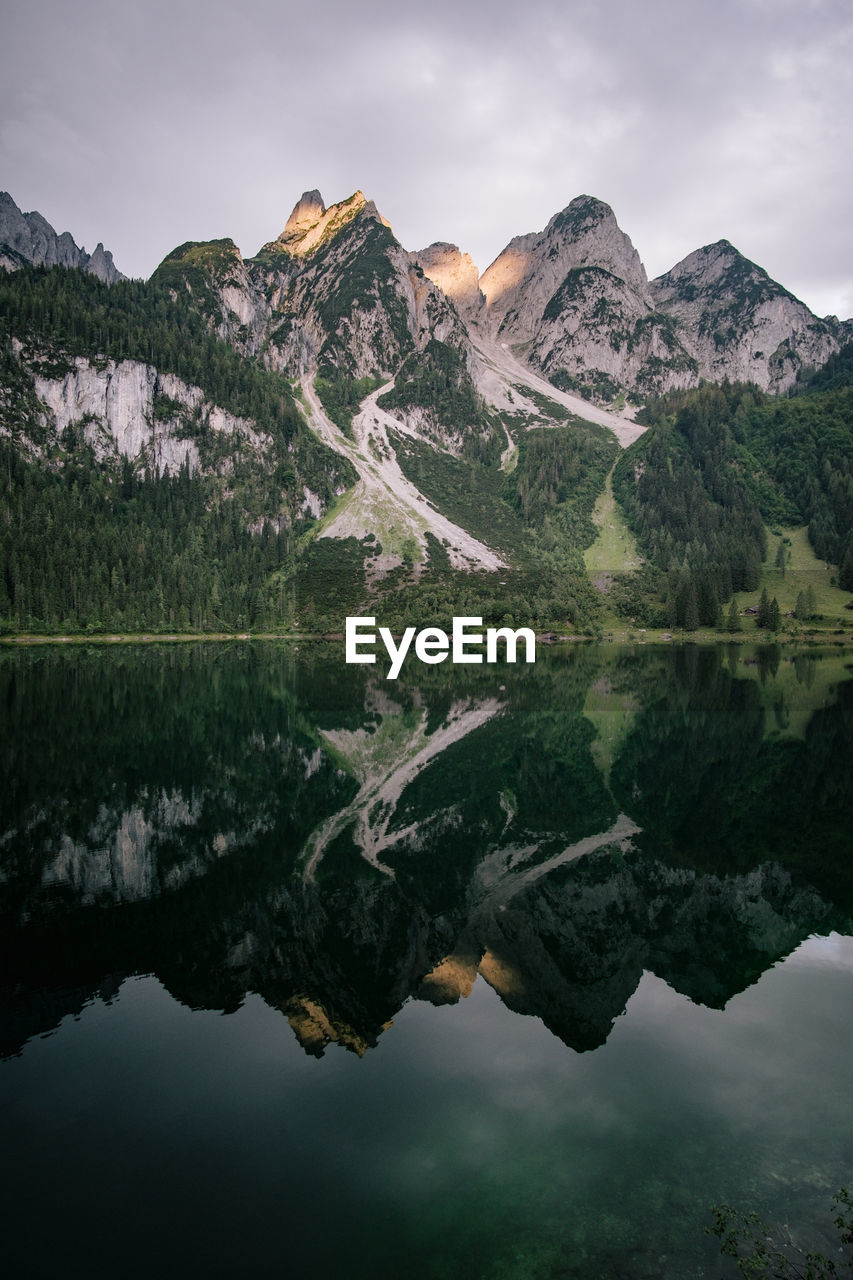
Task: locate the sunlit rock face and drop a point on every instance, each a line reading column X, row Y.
column 522, row 280
column 31, row 238
column 740, row 324
column 454, row 273
column 334, row 293
column 311, row 222
column 307, row 211
column 574, row 300
column 344, row 295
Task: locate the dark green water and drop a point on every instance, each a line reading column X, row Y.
column 524, row 968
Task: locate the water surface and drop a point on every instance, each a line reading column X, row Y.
column 523, row 968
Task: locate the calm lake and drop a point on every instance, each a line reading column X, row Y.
column 506, row 973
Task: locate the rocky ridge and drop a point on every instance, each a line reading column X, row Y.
column 335, row 292
column 390, row 345
column 29, row 238
column 575, row 302
column 741, row 325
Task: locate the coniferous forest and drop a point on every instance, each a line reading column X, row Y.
column 720, row 464
column 90, row 542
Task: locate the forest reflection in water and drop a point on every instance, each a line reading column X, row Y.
column 266, row 832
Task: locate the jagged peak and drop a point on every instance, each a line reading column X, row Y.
column 584, row 234
column 719, row 275
column 719, row 257
column 310, row 223
column 31, row 238
column 451, row 270
column 580, row 215
column 308, row 210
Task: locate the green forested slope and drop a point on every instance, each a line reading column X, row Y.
column 87, row 543
column 719, row 464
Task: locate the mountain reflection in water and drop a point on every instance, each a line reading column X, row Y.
column 256, row 818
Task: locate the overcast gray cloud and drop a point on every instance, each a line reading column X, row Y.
column 144, row 125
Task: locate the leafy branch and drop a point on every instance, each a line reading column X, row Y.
column 747, row 1238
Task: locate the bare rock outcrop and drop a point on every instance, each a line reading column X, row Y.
column 454, row 273
column 129, row 410
column 740, row 324
column 574, row 300
column 29, row 238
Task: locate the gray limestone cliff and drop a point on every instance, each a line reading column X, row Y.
column 129, row 410
column 741, row 325
column 574, row 300
column 29, row 238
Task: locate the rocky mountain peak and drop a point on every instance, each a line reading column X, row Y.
column 584, row 213
column 308, row 210
column 588, row 232
column 310, row 223
column 29, row 238
column 453, row 272
column 533, row 268
column 718, row 264
column 742, row 324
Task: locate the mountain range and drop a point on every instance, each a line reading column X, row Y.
column 339, row 386
column 29, row 238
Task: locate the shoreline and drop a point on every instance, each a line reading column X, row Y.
column 627, row 635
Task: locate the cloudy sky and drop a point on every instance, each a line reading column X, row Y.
column 144, row 125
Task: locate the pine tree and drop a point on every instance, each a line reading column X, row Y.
column 781, row 558
column 763, row 610
column 845, row 572
column 691, row 610
column 733, row 623
column 773, row 615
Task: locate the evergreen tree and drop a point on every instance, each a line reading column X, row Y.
column 773, row 615
column 845, row 572
column 733, row 622
column 691, row 610
column 781, row 557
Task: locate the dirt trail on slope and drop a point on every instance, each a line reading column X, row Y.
column 502, row 371
column 501, row 875
column 385, row 761
column 384, row 502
